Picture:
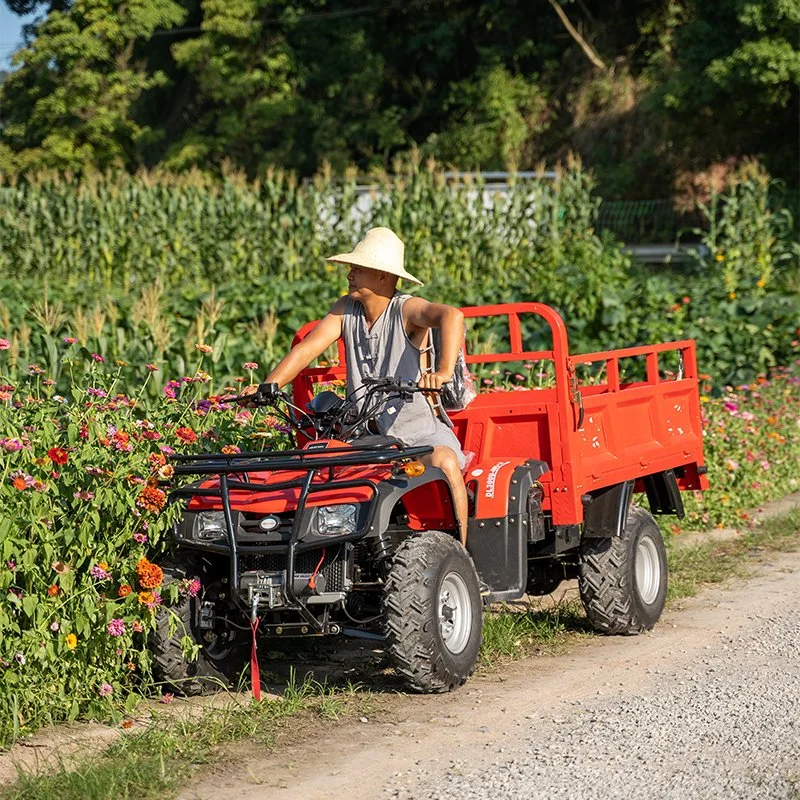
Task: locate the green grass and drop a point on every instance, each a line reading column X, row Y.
column 159, row 760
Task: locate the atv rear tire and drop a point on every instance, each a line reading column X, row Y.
column 623, row 579
column 216, row 666
column 433, row 613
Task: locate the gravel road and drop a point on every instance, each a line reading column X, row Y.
column 705, row 706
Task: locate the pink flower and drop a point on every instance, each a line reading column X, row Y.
column 11, row 445
column 70, row 340
column 747, row 416
column 35, row 369
column 191, row 587
column 152, row 367
column 166, row 449
column 95, row 392
column 730, row 406
column 171, row 389
column 4, row 344
column 54, row 626
column 765, row 464
column 98, row 358
column 140, row 537
column 250, row 366
column 105, row 689
column 167, row 698
column 84, row 494
column 732, row 464
column 116, row 627
column 99, row 573
column 137, row 626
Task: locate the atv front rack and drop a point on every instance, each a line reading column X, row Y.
column 313, row 461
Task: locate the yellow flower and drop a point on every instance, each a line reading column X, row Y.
column 731, row 295
column 761, row 283
column 720, row 257
column 703, row 398
column 72, row 641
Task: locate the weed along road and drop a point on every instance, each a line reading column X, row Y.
column 707, row 705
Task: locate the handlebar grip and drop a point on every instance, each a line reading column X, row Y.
column 267, row 391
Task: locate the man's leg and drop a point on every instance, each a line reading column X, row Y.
column 446, row 460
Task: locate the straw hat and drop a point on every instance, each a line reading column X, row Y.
column 380, row 249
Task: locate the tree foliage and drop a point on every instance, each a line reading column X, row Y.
column 643, row 90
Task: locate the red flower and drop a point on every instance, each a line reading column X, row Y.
column 52, row 591
column 19, row 484
column 58, row 455
column 186, row 435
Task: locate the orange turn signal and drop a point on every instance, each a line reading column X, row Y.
column 414, row 469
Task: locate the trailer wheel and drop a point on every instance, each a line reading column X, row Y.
column 623, row 580
column 433, row 613
column 220, row 659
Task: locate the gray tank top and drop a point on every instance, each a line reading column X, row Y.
column 386, row 351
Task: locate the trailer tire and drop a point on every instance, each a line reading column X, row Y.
column 623, row 579
column 433, row 613
column 213, row 669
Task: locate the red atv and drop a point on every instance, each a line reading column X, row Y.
column 350, row 534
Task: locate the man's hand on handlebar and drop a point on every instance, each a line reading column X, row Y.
column 433, row 380
column 261, row 394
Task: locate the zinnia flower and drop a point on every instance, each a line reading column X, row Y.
column 52, row 591
column 105, row 689
column 98, row 571
column 116, row 627
column 58, row 455
column 152, row 499
column 231, row 449
column 4, row 344
column 71, row 641
column 186, row 435
column 70, row 340
column 152, row 367
column 98, row 358
column 204, row 348
column 124, row 590
column 137, row 626
column 250, row 366
column 150, row 575
column 83, row 494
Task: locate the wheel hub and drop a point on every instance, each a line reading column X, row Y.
column 455, row 612
column 648, row 570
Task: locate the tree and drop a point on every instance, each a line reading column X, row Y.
column 70, row 101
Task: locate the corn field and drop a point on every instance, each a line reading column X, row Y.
column 142, row 268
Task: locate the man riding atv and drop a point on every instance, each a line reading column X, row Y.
column 386, row 334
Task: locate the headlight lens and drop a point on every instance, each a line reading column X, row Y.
column 336, row 520
column 210, row 525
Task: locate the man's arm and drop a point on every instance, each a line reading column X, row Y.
column 421, row 314
column 327, row 331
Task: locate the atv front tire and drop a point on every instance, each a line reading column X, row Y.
column 218, row 664
column 433, row 613
column 623, row 579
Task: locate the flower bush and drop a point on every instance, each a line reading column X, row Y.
column 752, row 448
column 83, row 525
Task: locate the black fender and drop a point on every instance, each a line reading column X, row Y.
column 499, row 547
column 606, row 509
column 392, row 491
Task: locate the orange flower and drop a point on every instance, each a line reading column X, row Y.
column 231, row 450
column 146, row 598
column 72, row 641
column 124, row 590
column 19, row 484
column 52, row 591
column 157, row 460
column 127, row 724
column 152, row 499
column 186, row 435
column 150, row 575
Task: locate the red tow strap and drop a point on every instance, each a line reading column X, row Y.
column 255, row 674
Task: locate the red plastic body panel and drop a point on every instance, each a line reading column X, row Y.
column 627, row 431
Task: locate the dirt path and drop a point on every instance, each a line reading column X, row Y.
column 536, row 709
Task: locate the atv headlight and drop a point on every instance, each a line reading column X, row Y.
column 209, row 525
column 336, row 520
